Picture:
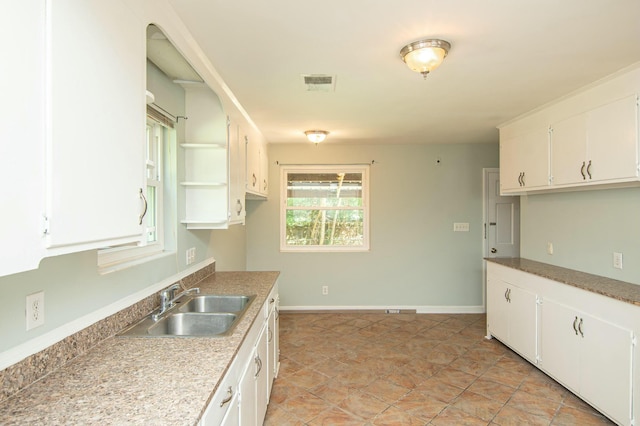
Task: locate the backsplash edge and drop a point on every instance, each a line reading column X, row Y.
column 20, row 375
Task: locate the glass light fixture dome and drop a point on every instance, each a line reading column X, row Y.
column 316, row 136
column 424, row 56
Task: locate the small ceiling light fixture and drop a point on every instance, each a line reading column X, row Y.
column 316, row 136
column 424, row 56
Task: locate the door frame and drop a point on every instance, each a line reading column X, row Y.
column 485, row 241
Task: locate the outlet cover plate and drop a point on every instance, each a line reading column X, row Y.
column 35, row 310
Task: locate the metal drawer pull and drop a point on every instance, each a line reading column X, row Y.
column 589, row 170
column 584, row 177
column 575, row 325
column 227, row 399
column 259, row 364
column 580, row 328
column 270, row 334
column 144, row 211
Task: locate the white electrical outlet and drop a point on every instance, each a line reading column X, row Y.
column 325, row 290
column 35, row 310
column 549, row 248
column 617, row 260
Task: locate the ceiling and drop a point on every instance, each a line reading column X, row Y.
column 507, row 57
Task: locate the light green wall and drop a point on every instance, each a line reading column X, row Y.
column 416, row 259
column 73, row 288
column 585, row 227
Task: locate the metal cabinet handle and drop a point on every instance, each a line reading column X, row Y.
column 580, row 328
column 258, row 362
column 506, row 297
column 228, row 398
column 520, row 177
column 575, row 325
column 584, row 177
column 264, row 184
column 523, row 181
column 589, row 170
column 509, row 296
column 144, row 211
column 277, row 313
column 254, row 180
column 238, row 207
column 270, row 334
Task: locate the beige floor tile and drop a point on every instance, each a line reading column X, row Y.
column 569, row 416
column 534, row 404
column 492, row 390
column 393, row 416
column 420, row 405
column 363, row 405
column 477, row 405
column 335, row 416
column 455, row 417
column 410, row 369
column 510, row 416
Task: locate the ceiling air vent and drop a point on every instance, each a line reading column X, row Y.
column 319, row 82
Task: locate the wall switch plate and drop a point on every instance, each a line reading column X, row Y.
column 191, row 255
column 35, row 310
column 617, row 260
column 325, row 290
column 460, row 227
column 549, row 248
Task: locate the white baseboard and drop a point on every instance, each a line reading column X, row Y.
column 37, row 344
column 419, row 309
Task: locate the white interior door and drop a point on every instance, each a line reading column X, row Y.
column 502, row 219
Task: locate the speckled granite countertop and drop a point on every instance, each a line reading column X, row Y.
column 163, row 381
column 620, row 290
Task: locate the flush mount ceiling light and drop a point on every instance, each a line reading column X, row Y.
column 316, row 136
column 424, row 56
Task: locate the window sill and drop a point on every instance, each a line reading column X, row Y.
column 119, row 266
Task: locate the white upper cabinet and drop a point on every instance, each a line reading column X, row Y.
column 524, row 160
column 22, row 151
column 95, row 124
column 592, row 140
column 257, row 166
column 599, row 145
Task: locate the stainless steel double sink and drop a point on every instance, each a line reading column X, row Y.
column 197, row 315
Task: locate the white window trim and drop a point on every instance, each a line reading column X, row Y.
column 338, row 168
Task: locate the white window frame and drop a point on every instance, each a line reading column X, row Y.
column 334, row 168
column 115, row 258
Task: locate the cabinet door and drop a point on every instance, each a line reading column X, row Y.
column 606, row 355
column 524, row 161
column 236, row 175
column 248, row 394
column 497, row 308
column 273, row 345
column 569, row 150
column 523, row 322
column 96, row 124
column 253, row 163
column 22, row 150
column 262, row 375
column 612, row 140
column 559, row 343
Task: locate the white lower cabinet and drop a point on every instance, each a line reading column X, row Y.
column 511, row 316
column 590, row 356
column 585, row 341
column 244, row 392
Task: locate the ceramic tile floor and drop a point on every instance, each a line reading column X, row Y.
column 410, row 369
